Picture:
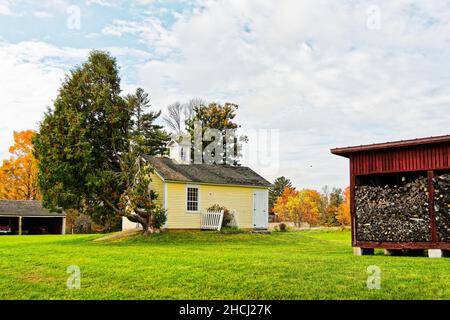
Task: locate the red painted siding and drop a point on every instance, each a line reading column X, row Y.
column 418, row 158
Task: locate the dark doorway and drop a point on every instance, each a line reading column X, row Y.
column 34, row 225
column 9, row 223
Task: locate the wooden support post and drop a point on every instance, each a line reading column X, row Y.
column 63, row 231
column 357, row 251
column 352, row 203
column 20, row 225
column 435, row 253
column 431, row 206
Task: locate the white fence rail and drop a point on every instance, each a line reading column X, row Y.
column 212, row 220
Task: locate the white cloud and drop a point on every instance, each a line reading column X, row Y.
column 5, row 8
column 313, row 70
column 41, row 9
column 32, row 72
column 150, row 31
column 42, row 14
column 103, row 3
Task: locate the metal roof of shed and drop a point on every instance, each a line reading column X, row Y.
column 346, row 151
column 25, row 208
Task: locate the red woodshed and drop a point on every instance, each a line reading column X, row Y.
column 426, row 155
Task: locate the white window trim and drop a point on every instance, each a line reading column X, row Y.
column 198, row 200
column 165, row 204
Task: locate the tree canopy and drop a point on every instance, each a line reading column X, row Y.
column 221, row 118
column 277, row 189
column 343, row 211
column 18, row 174
column 312, row 207
column 90, row 145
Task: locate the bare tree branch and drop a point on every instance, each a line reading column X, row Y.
column 174, row 116
column 178, row 113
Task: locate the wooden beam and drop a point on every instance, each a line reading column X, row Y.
column 63, row 227
column 20, row 225
column 403, row 245
column 431, row 206
column 352, row 203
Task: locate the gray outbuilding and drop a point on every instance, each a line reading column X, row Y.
column 23, row 217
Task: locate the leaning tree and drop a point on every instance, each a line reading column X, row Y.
column 91, row 146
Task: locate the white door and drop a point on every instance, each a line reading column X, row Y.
column 260, row 209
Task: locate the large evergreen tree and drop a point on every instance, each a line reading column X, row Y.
column 90, row 146
column 149, row 137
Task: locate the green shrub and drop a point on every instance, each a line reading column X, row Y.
column 159, row 217
column 227, row 216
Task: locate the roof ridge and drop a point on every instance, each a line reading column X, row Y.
column 391, row 144
column 224, row 174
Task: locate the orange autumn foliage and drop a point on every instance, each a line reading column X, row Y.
column 280, row 207
column 343, row 212
column 298, row 206
column 305, row 207
column 18, row 174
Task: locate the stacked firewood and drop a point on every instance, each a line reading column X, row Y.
column 393, row 213
column 442, row 206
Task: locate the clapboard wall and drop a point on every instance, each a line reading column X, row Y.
column 414, row 158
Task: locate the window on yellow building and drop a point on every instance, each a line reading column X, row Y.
column 192, row 199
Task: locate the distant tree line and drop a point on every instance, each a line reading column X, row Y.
column 325, row 208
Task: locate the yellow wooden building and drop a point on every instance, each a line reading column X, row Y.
column 187, row 190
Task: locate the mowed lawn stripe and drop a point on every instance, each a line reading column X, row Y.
column 207, row 265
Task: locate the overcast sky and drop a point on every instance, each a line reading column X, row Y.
column 323, row 74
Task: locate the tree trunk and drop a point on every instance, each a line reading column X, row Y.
column 148, row 225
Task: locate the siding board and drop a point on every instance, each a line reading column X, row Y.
column 417, row 158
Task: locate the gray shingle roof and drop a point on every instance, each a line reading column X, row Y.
column 27, row 208
column 205, row 173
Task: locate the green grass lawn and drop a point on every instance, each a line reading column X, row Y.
column 207, row 265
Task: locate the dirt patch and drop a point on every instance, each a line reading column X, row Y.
column 119, row 235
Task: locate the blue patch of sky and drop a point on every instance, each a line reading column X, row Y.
column 420, row 15
column 247, row 28
column 310, row 42
column 53, row 29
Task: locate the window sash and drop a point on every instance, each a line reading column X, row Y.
column 192, row 199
